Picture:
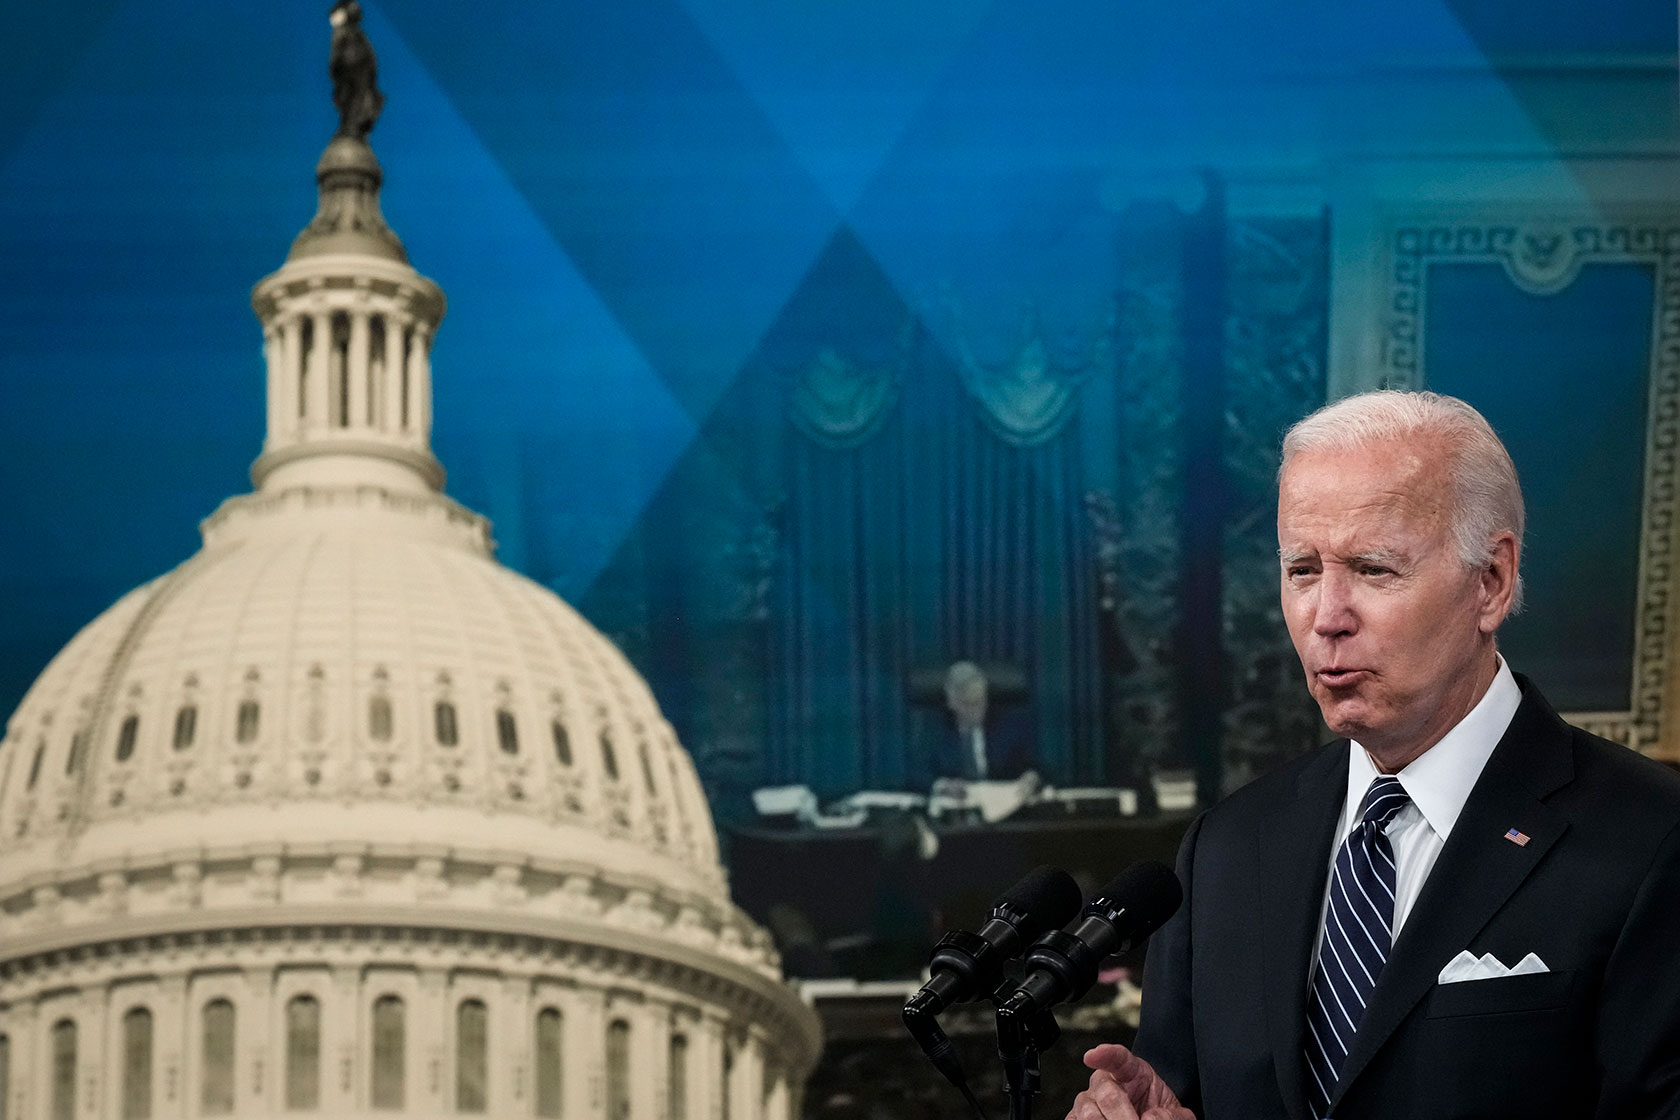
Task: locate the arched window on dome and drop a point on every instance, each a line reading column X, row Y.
column 507, row 732
column 609, row 758
column 126, row 735
column 137, row 1064
column 618, row 1070
column 647, row 768
column 472, row 1047
column 388, row 1045
column 338, row 370
column 247, row 721
column 186, row 726
column 562, row 741
column 549, row 1051
column 444, row 725
column 64, row 1070
column 215, row 1097
column 676, row 1103
column 5, row 1073
column 303, row 1052
column 379, row 718
column 79, row 740
column 35, row 765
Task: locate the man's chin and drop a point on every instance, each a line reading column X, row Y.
column 1346, row 718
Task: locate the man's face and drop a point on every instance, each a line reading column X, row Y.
column 1394, row 632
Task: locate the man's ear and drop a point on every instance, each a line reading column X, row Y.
column 1499, row 582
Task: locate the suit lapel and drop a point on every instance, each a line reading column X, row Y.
column 1297, row 859
column 1476, row 872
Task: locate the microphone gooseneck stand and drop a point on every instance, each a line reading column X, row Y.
column 1021, row 1035
column 941, row 1051
column 1063, row 964
column 968, row 965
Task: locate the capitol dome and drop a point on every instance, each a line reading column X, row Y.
column 342, row 816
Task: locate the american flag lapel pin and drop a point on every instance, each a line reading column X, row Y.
column 1518, row 838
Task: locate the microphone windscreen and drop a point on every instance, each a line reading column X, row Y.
column 1149, row 892
column 1048, row 895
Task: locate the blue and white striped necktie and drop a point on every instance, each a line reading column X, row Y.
column 1358, row 933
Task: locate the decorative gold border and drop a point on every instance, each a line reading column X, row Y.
column 1545, row 257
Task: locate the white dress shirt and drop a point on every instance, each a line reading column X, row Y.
column 977, row 745
column 1438, row 782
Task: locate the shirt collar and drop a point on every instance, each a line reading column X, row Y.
column 1440, row 779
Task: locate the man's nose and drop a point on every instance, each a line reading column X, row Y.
column 1335, row 612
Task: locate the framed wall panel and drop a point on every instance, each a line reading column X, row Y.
column 1565, row 332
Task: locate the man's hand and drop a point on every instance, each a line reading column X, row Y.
column 1124, row 1087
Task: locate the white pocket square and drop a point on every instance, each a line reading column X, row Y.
column 1468, row 966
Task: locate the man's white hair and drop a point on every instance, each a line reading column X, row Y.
column 1486, row 496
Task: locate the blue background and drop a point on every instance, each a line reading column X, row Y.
column 621, row 201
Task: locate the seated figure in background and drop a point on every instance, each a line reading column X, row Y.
column 982, row 742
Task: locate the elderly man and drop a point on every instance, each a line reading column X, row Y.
column 981, row 743
column 1462, row 908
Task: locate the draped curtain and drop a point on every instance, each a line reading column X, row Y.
column 935, row 512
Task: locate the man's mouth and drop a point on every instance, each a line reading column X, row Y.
column 1341, row 677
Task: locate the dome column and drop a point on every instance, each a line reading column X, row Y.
column 116, row 1001
column 317, row 409
column 748, row 1100
column 511, row 1073
column 650, row 1057
column 398, row 333
column 777, row 1104
column 22, row 1024
column 170, row 1037
column 252, row 1039
column 357, row 371
column 346, row 1020
column 291, row 380
column 274, row 360
column 710, row 1043
column 586, row 1053
column 428, row 1089
column 8, row 1092
column 420, row 387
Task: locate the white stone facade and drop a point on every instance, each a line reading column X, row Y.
column 341, row 817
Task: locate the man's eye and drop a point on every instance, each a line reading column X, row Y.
column 1378, row 570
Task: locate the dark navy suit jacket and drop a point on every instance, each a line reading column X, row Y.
column 1595, row 892
column 1010, row 749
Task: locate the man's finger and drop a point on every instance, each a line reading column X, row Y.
column 1110, row 1056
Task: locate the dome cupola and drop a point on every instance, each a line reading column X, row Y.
column 347, row 329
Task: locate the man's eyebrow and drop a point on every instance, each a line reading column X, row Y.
column 1379, row 557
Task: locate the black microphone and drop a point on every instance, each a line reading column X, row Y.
column 967, row 965
column 1062, row 965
